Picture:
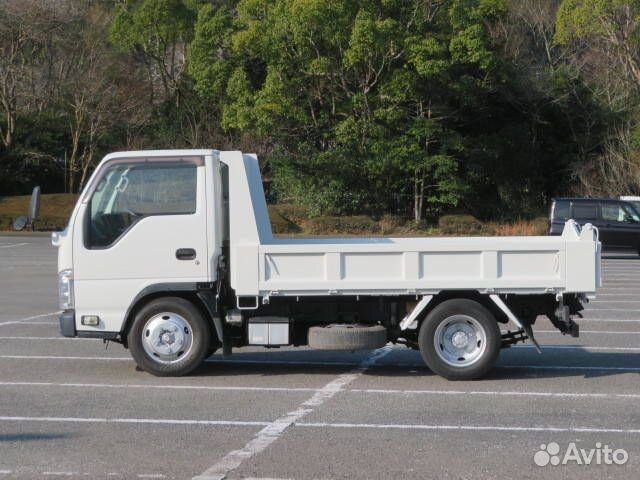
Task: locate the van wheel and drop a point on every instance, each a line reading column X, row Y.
column 169, row 337
column 460, row 339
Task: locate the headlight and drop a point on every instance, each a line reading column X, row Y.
column 65, row 289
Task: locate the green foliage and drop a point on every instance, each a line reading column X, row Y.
column 151, row 25
column 239, row 113
column 208, row 65
column 369, row 106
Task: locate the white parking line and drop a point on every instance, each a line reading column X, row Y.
column 579, row 347
column 123, row 386
column 274, row 430
column 600, row 302
column 150, row 421
column 591, row 309
column 622, row 289
column 610, row 320
column 86, row 474
column 600, row 295
column 22, row 320
column 12, row 245
column 590, row 332
column 570, row 395
column 470, row 427
column 62, row 357
column 16, row 323
column 594, row 368
column 498, row 393
column 49, row 338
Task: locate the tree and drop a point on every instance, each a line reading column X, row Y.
column 24, row 28
column 614, row 25
column 358, row 90
column 158, row 32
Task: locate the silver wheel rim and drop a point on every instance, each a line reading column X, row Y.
column 167, row 337
column 460, row 340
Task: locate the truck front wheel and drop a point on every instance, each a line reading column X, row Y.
column 169, row 337
column 460, row 339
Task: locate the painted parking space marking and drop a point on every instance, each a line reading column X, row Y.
column 33, row 317
column 609, row 320
column 63, row 357
column 16, row 323
column 13, row 245
column 472, row 428
column 578, row 347
column 435, row 392
column 498, row 393
column 272, row 432
column 147, row 421
column 593, row 368
column 590, row 332
column 123, row 386
column 49, row 338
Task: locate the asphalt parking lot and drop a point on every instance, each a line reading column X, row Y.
column 73, row 408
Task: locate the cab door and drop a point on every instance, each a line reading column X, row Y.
column 622, row 225
column 141, row 223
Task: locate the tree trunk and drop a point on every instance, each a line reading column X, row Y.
column 418, row 196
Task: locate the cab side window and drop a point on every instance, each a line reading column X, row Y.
column 617, row 212
column 585, row 211
column 561, row 210
column 127, row 193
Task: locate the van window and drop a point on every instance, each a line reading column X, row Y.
column 127, row 193
column 585, row 211
column 560, row 210
column 616, row 212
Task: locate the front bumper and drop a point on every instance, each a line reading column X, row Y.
column 68, row 323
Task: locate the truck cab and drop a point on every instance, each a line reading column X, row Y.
column 171, row 253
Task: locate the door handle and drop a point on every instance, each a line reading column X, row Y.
column 185, row 254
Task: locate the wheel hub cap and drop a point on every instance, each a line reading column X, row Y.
column 167, row 337
column 460, row 340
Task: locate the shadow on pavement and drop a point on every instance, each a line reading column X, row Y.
column 577, row 362
column 32, row 437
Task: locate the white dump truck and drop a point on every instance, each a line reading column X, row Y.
column 171, row 253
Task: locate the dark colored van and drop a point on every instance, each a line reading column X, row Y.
column 618, row 221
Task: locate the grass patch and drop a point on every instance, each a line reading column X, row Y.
column 55, row 209
column 349, row 225
column 462, row 225
column 536, row 226
column 280, row 223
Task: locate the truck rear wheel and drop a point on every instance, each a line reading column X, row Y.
column 460, row 339
column 169, row 337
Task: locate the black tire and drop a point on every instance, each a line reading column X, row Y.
column 462, row 312
column 348, row 337
column 198, row 327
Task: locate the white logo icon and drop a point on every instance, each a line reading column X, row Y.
column 600, row 455
column 547, row 454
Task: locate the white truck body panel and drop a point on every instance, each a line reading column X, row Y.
column 264, row 266
column 107, row 282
